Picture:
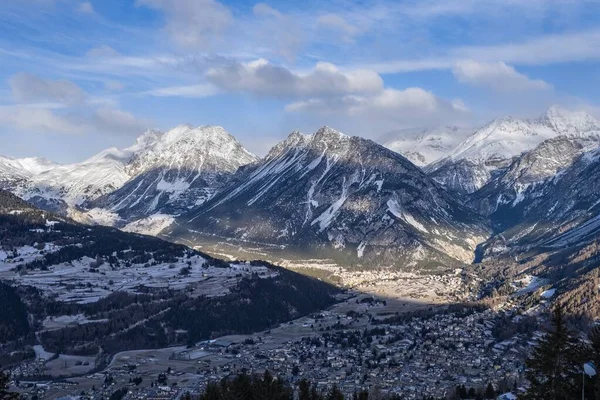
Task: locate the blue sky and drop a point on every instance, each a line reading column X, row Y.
column 79, row 76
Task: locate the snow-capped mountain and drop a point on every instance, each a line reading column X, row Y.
column 491, row 149
column 159, row 169
column 341, row 197
column 57, row 187
column 561, row 211
column 425, row 146
column 531, row 170
column 21, row 169
column 175, row 171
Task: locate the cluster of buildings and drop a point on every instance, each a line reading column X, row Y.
column 429, row 356
column 356, row 349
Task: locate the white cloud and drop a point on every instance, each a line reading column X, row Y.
column 336, row 23
column 409, row 106
column 545, row 50
column 265, row 10
column 278, row 30
column 262, row 78
column 45, row 120
column 191, row 91
column 40, row 120
column 112, row 120
column 85, row 8
column 496, row 76
column 62, row 107
column 193, row 24
column 28, row 88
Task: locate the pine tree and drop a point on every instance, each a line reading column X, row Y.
column 335, row 394
column 594, row 353
column 304, row 390
column 4, row 393
column 471, row 393
column 554, row 367
column 490, row 393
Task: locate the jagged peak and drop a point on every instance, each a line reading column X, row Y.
column 330, row 133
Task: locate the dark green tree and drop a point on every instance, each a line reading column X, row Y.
column 554, row 367
column 335, row 394
column 490, row 393
column 593, row 388
column 4, row 393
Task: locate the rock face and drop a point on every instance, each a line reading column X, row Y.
column 487, row 153
column 560, row 211
column 425, row 146
column 527, row 173
column 176, row 171
column 345, row 197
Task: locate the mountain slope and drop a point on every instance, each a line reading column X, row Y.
column 530, row 171
column 162, row 172
column 490, row 150
column 179, row 170
column 559, row 212
column 58, row 188
column 342, row 197
column 129, row 291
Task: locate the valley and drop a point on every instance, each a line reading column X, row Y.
column 185, row 259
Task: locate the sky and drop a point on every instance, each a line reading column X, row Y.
column 79, row 76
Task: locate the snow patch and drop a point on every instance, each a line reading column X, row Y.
column 396, row 210
column 548, row 293
column 151, row 225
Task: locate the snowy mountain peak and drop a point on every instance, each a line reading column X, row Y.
column 147, row 139
column 492, row 148
column 424, row 146
column 192, row 148
column 566, row 122
column 328, row 133
column 502, row 138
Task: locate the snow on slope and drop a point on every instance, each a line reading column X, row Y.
column 182, row 164
column 176, row 171
column 329, row 192
column 491, row 149
column 425, row 146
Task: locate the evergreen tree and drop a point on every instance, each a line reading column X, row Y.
column 554, row 367
column 594, row 355
column 471, row 393
column 490, row 393
column 4, row 393
column 335, row 394
column 304, row 390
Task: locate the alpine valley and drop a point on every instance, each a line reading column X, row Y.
column 374, row 255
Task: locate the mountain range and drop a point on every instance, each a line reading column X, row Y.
column 425, row 198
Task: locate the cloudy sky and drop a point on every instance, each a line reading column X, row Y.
column 79, row 76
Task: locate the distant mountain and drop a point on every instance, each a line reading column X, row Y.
column 162, row 171
column 425, row 146
column 58, row 187
column 490, row 150
column 560, row 211
column 331, row 195
column 173, row 172
column 529, row 172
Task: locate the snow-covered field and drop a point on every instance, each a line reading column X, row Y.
column 73, row 281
